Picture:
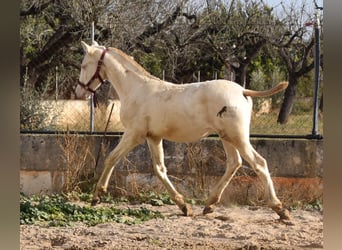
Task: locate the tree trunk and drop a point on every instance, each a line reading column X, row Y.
column 288, row 102
column 240, row 75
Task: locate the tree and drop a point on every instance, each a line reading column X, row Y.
column 179, row 37
column 47, row 29
column 294, row 44
column 238, row 31
column 51, row 32
column 218, row 36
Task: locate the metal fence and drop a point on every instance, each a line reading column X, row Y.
column 58, row 116
column 80, row 116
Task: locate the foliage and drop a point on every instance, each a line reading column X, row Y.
column 265, row 73
column 149, row 61
column 235, row 40
column 314, row 205
column 179, row 37
column 156, row 199
column 55, row 210
column 34, row 115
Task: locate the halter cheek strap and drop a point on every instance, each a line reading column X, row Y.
column 95, row 76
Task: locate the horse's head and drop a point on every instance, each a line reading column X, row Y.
column 91, row 71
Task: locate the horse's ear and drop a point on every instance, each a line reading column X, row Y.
column 85, row 47
column 95, row 43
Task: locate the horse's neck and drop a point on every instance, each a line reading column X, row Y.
column 124, row 80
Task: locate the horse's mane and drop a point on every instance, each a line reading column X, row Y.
column 133, row 62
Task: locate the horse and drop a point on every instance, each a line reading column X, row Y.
column 155, row 110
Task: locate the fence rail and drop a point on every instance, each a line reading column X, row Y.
column 73, row 116
column 266, row 136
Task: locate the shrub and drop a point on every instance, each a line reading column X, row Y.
column 33, row 115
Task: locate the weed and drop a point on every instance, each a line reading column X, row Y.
column 56, row 210
column 78, row 158
column 155, row 199
column 315, row 205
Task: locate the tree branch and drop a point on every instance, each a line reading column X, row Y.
column 34, row 9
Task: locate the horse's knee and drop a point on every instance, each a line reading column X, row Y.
column 234, row 162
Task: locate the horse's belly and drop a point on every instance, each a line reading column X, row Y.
column 186, row 138
column 184, row 134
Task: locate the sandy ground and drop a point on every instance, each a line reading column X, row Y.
column 227, row 228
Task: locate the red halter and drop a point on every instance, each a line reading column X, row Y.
column 95, row 76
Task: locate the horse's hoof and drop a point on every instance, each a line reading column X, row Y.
column 283, row 213
column 187, row 210
column 208, row 210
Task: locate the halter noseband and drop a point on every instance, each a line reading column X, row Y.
column 95, row 76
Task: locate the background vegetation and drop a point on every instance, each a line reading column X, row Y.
column 247, row 41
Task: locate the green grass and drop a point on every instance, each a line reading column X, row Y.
column 315, row 205
column 298, row 124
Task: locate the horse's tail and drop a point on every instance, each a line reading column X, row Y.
column 253, row 93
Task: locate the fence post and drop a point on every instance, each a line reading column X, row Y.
column 91, row 126
column 91, row 104
column 56, row 83
column 317, row 72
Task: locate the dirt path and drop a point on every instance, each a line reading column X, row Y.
column 226, row 228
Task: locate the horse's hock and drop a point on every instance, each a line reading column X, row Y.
column 296, row 167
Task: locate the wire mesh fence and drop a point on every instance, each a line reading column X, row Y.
column 61, row 112
column 53, row 116
column 51, row 58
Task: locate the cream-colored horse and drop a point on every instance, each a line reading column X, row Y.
column 153, row 110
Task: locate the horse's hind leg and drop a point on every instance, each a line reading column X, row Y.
column 126, row 144
column 259, row 165
column 233, row 163
column 157, row 154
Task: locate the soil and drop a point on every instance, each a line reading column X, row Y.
column 236, row 227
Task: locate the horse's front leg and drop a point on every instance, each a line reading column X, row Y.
column 157, row 154
column 126, row 144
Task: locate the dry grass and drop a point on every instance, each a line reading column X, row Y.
column 244, row 188
column 79, row 161
column 196, row 164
